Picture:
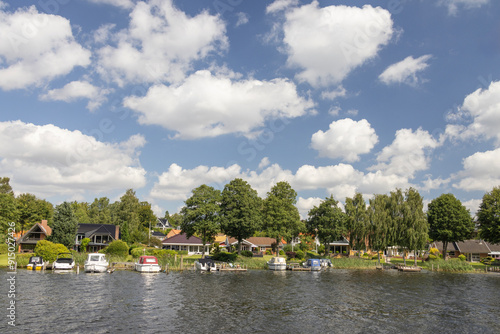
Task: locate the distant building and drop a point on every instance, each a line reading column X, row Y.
column 27, row 242
column 100, row 235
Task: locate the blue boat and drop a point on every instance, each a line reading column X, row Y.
column 314, row 264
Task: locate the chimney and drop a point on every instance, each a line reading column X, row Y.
column 117, row 232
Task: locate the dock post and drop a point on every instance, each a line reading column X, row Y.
column 77, row 269
column 182, row 261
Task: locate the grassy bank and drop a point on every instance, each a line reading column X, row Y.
column 451, row 265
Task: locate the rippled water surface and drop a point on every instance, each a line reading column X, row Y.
column 334, row 301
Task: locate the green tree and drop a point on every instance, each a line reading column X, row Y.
column 414, row 224
column 449, row 220
column 488, row 216
column 201, row 215
column 32, row 210
column 379, row 224
column 65, row 226
column 81, row 209
column 240, row 210
column 127, row 216
column 99, row 211
column 357, row 221
column 5, row 187
column 146, row 215
column 8, row 212
column 84, row 243
column 281, row 217
column 117, row 248
column 327, row 221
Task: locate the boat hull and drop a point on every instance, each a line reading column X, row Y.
column 148, row 268
column 95, row 268
column 277, row 266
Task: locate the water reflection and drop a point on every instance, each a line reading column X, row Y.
column 334, row 301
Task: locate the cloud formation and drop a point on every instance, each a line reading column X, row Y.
column 47, row 160
column 36, row 48
column 345, row 139
column 207, row 105
column 76, row 90
column 405, row 71
column 328, row 43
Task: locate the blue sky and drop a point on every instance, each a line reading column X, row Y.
column 335, row 97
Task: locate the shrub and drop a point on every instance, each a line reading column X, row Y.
column 269, row 252
column 487, row 260
column 321, row 249
column 281, row 252
column 117, row 248
column 287, row 248
column 182, row 252
column 291, row 255
column 461, row 257
column 49, row 250
column 137, row 251
column 4, row 248
column 225, row 257
column 434, row 251
column 84, row 243
column 247, row 253
column 299, row 254
column 432, row 257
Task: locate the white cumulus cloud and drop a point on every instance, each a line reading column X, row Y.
column 454, row 5
column 207, row 105
column 36, row 48
column 481, row 171
column 49, row 160
column 405, row 71
column 160, row 44
column 76, row 90
column 328, row 43
column 345, row 139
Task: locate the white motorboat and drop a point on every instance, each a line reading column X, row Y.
column 147, row 264
column 35, row 263
column 277, row 263
column 205, row 265
column 64, row 261
column 96, row 263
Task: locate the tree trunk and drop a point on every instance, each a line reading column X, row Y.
column 445, row 247
column 239, row 247
column 415, row 256
column 404, row 257
column 203, row 251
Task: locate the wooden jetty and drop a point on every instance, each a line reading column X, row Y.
column 123, row 265
column 296, row 267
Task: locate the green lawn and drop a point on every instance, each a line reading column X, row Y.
column 3, row 260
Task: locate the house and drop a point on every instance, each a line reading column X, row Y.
column 340, row 247
column 173, row 232
column 179, row 242
column 254, row 244
column 100, row 235
column 474, row 250
column 27, row 242
column 494, row 251
column 163, row 224
column 158, row 235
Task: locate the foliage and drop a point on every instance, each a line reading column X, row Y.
column 49, row 250
column 462, row 257
column 247, row 253
column 281, row 217
column 350, row 263
column 488, row 216
column 32, row 210
column 8, row 212
column 487, row 260
column 127, row 215
column 99, row 211
column 327, row 222
column 65, row 226
column 81, row 212
column 449, row 220
column 23, row 259
column 269, row 252
column 117, row 248
column 299, row 254
column 5, row 187
column 137, row 251
column 84, row 243
column 201, row 215
column 432, row 257
column 4, row 248
column 434, row 251
column 453, row 265
column 357, row 221
column 240, row 210
column 291, row 255
column 414, row 227
column 225, row 257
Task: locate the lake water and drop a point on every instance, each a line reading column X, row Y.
column 257, row 301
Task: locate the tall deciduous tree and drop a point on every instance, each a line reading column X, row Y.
column 127, row 215
column 32, row 210
column 64, row 226
column 379, row 224
column 414, row 229
column 5, row 187
column 489, row 216
column 357, row 221
column 8, row 212
column 99, row 211
column 81, row 211
column 281, row 217
column 327, row 221
column 201, row 215
column 449, row 220
column 240, row 210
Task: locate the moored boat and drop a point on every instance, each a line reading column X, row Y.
column 64, row 261
column 35, row 263
column 313, row 264
column 96, row 263
column 277, row 263
column 147, row 264
column 205, row 265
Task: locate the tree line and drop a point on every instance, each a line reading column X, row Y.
column 395, row 219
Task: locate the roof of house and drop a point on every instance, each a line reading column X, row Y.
column 92, row 229
column 158, row 234
column 494, row 247
column 451, row 246
column 257, row 241
column 180, row 239
column 472, row 246
column 42, row 226
column 220, row 238
column 173, row 232
column 164, row 222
